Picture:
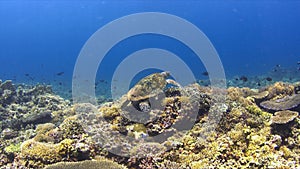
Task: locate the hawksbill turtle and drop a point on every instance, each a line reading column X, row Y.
column 148, row 87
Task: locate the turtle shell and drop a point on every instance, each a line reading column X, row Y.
column 147, row 87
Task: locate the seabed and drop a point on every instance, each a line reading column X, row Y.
column 257, row 127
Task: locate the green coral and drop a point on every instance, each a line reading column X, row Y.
column 66, row 149
column 13, row 148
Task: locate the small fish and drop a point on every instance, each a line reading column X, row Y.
column 28, row 75
column 269, row 79
column 205, row 73
column 298, row 63
column 60, row 73
column 244, row 78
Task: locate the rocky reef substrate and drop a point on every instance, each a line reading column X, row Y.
column 250, row 128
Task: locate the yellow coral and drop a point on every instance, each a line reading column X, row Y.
column 238, row 133
column 43, row 152
column 280, row 89
column 110, row 112
column 64, row 148
column 286, row 152
column 13, row 148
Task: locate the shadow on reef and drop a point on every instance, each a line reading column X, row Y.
column 257, row 128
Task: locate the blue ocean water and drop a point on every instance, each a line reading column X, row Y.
column 40, row 40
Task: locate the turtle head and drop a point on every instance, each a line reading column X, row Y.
column 165, row 74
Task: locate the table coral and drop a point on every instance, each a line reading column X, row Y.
column 283, row 117
column 285, row 103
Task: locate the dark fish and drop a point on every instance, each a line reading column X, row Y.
column 205, row 73
column 298, row 63
column 60, row 73
column 268, row 79
column 60, row 83
column 28, row 75
column 258, row 84
column 244, row 78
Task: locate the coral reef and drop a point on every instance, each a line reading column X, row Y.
column 252, row 128
column 51, row 144
column 27, row 105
